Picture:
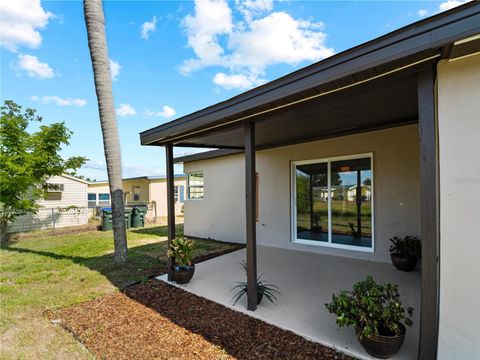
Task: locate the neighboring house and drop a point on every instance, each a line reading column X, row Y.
column 64, row 206
column 401, row 111
column 148, row 190
column 366, row 192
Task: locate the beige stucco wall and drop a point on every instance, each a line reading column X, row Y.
column 459, row 165
column 158, row 193
column 143, row 184
column 221, row 214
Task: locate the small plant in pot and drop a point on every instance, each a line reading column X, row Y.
column 263, row 289
column 316, row 226
column 405, row 252
column 377, row 314
column 182, row 250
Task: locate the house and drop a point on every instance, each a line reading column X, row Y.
column 402, row 111
column 148, row 190
column 64, row 205
column 365, row 192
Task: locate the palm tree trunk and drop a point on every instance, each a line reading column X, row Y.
column 97, row 44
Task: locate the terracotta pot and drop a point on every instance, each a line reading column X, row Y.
column 381, row 346
column 183, row 274
column 404, row 263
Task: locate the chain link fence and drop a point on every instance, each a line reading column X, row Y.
column 51, row 218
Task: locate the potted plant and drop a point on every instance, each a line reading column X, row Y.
column 316, row 228
column 263, row 289
column 182, row 250
column 405, row 252
column 377, row 314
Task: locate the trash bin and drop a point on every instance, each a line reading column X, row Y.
column 128, row 217
column 138, row 215
column 106, row 219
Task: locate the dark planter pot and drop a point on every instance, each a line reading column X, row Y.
column 382, row 347
column 183, row 274
column 404, row 263
column 259, row 297
column 317, row 229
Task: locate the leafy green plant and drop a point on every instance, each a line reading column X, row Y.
column 406, row 246
column 375, row 308
column 182, row 249
column 27, row 160
column 263, row 288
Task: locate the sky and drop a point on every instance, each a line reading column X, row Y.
column 170, row 58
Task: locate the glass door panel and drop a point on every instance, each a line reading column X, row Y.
column 312, row 201
column 351, row 204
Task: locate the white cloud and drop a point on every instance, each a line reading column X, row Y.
column 423, row 12
column 246, row 48
column 238, row 81
column 450, row 4
column 114, row 69
column 167, row 112
column 444, row 6
column 149, row 27
column 21, row 20
column 212, row 18
column 125, row 110
column 59, row 101
column 34, row 67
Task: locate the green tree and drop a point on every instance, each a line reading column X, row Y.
column 27, row 160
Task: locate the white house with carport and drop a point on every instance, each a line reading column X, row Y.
column 400, row 114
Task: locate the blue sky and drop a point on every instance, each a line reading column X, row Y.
column 172, row 58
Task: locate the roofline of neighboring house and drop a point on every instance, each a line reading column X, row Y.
column 436, row 33
column 155, row 177
column 212, row 154
column 75, row 178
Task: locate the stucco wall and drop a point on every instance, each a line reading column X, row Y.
column 221, row 214
column 459, row 155
column 158, row 193
column 143, row 184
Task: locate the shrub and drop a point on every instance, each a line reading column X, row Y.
column 374, row 308
column 407, row 246
column 182, row 250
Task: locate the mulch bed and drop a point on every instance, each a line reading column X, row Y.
column 157, row 321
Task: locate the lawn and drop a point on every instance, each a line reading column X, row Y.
column 42, row 272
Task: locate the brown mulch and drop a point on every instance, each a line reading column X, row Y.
column 157, row 321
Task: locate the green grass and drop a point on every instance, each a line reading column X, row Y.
column 42, row 271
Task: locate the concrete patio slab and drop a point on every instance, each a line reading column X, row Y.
column 306, row 282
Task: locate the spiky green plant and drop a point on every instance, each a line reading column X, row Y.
column 267, row 289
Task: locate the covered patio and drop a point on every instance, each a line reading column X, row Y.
column 306, row 282
column 386, row 83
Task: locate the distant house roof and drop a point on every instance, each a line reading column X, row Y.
column 154, row 177
column 75, row 178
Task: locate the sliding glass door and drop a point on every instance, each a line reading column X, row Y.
column 332, row 202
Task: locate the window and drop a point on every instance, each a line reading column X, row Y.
column 333, row 202
column 179, row 193
column 92, row 200
column 103, row 199
column 136, row 193
column 195, row 185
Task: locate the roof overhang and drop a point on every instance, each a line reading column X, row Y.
column 371, row 86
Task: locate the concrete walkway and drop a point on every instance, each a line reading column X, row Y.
column 306, row 283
